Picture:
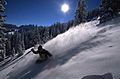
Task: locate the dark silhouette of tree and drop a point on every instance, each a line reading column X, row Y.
column 109, row 9
column 2, row 35
column 81, row 14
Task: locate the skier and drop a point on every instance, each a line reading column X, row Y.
column 44, row 54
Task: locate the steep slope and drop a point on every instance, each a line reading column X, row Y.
column 86, row 49
column 93, row 50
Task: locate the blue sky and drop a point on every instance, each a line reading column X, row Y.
column 42, row 12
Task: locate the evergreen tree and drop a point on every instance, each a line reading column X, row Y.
column 109, row 9
column 13, row 51
column 80, row 15
column 93, row 14
column 2, row 35
column 115, row 5
column 69, row 24
column 8, row 46
column 18, row 44
column 22, row 40
column 45, row 35
column 37, row 35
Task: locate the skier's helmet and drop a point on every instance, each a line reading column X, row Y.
column 40, row 47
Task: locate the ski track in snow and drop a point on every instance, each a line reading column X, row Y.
column 83, row 50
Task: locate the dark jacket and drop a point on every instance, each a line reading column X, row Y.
column 44, row 54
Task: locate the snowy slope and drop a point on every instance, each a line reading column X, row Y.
column 84, row 50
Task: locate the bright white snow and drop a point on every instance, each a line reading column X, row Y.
column 86, row 49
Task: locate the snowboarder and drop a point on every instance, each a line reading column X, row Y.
column 44, row 54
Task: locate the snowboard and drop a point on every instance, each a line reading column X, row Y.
column 38, row 61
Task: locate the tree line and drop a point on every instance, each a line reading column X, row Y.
column 107, row 10
column 25, row 36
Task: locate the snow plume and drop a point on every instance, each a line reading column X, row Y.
column 74, row 61
column 72, row 38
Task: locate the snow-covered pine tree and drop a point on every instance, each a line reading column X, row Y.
column 18, row 44
column 8, row 45
column 46, row 35
column 38, row 35
column 81, row 14
column 22, row 40
column 109, row 9
column 104, row 10
column 115, row 6
column 93, row 14
column 2, row 35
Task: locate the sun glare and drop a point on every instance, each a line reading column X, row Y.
column 65, row 8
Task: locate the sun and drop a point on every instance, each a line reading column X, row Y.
column 65, row 8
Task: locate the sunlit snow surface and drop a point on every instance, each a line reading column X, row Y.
column 86, row 49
